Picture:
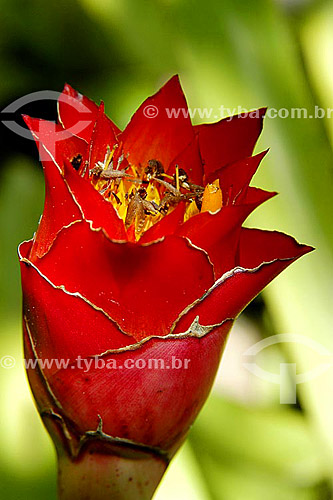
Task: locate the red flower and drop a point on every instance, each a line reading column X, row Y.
column 140, row 255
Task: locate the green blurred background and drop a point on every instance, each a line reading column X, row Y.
column 245, row 445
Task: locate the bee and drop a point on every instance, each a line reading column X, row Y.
column 76, row 161
column 104, row 169
column 109, row 173
column 171, row 197
column 154, row 169
column 182, row 177
column 138, row 208
column 196, row 191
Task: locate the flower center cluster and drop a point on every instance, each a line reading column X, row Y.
column 142, row 196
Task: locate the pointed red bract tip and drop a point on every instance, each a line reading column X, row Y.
column 229, row 140
column 77, row 114
column 155, row 132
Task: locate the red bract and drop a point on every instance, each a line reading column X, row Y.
column 139, row 266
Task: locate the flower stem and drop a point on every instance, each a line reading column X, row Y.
column 98, row 476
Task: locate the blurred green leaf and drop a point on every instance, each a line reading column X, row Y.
column 21, row 204
column 257, row 453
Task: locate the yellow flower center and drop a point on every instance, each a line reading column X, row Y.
column 142, row 196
